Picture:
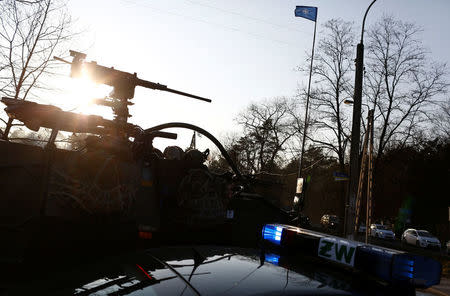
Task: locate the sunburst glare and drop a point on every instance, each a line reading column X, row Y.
column 79, row 95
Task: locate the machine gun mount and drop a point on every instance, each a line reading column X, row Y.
column 123, row 84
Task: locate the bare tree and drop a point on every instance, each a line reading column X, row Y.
column 402, row 85
column 31, row 33
column 442, row 120
column 242, row 152
column 267, row 128
column 329, row 127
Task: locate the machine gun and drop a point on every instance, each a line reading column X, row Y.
column 123, row 84
column 35, row 115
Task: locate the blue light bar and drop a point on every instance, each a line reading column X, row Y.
column 272, row 258
column 272, row 233
column 392, row 266
column 421, row 271
column 375, row 261
column 406, row 275
column 403, row 268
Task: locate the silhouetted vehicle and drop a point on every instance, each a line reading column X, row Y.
column 117, row 186
column 421, row 238
column 381, row 231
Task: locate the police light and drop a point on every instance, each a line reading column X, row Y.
column 272, row 233
column 422, row 271
column 403, row 268
column 392, row 266
column 272, row 258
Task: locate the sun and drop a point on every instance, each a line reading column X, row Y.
column 78, row 95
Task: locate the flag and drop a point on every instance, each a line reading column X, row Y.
column 308, row 12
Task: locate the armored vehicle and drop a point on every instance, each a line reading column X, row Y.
column 117, row 186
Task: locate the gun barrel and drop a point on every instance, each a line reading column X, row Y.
column 187, row 95
column 149, row 84
column 153, row 85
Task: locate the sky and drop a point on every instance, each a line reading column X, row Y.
column 233, row 52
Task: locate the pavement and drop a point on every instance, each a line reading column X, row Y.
column 443, row 289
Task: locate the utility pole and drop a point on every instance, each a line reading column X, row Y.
column 356, row 132
column 366, row 165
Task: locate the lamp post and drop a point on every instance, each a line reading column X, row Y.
column 356, row 123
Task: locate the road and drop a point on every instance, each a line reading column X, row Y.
column 443, row 289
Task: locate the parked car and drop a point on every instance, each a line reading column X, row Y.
column 448, row 247
column 420, row 238
column 381, row 231
column 362, row 228
column 330, row 222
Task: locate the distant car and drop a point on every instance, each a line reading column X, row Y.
column 362, row 228
column 381, row 231
column 420, row 238
column 330, row 222
column 448, row 247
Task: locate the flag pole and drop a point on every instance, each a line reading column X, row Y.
column 193, row 140
column 305, row 126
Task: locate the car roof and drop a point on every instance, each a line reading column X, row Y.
column 207, row 269
column 415, row 229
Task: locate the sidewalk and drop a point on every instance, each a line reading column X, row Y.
column 443, row 289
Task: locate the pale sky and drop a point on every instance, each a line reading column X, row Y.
column 233, row 52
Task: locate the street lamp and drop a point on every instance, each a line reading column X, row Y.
column 356, row 130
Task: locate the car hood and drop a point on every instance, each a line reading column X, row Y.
column 187, row 270
column 238, row 271
column 430, row 239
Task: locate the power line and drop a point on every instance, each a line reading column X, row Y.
column 258, row 36
column 247, row 17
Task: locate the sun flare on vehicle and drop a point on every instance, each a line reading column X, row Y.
column 81, row 92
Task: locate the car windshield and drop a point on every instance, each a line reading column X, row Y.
column 424, row 233
column 334, row 219
column 381, row 227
